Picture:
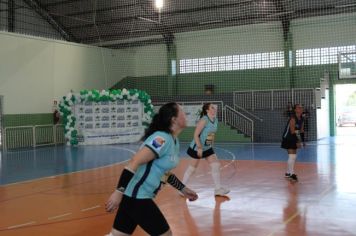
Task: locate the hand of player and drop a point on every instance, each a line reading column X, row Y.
column 190, row 194
column 200, row 152
column 113, row 202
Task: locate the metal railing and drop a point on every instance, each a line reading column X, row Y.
column 220, row 104
column 228, row 116
column 274, row 98
column 239, row 121
column 238, row 108
column 33, row 136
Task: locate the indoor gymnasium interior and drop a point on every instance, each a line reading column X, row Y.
column 82, row 80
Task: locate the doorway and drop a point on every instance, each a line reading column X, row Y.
column 345, row 109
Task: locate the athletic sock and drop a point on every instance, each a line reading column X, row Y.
column 215, row 172
column 291, row 162
column 190, row 170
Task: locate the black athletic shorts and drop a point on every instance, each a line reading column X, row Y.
column 194, row 154
column 142, row 212
column 289, row 142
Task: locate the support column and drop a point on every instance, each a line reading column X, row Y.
column 289, row 54
column 171, row 64
column 11, row 16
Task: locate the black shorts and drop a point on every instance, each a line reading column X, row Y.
column 289, row 143
column 194, row 154
column 142, row 212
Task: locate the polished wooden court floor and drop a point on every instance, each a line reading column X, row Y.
column 61, row 191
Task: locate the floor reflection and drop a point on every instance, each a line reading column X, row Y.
column 294, row 217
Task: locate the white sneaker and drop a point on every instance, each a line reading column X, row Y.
column 221, row 191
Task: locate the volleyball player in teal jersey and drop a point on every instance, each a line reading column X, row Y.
column 202, row 147
column 147, row 170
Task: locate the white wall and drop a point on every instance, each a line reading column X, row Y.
column 150, row 60
column 35, row 71
column 324, row 31
column 229, row 41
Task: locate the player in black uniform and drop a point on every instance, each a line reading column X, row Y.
column 293, row 138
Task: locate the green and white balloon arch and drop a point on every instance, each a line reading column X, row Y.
column 65, row 106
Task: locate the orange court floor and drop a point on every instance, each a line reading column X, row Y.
column 262, row 202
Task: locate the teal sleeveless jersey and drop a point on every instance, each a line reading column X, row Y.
column 146, row 182
column 207, row 135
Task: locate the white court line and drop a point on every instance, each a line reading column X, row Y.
column 232, row 154
column 59, row 216
column 91, row 208
column 127, row 149
column 21, row 225
column 225, row 166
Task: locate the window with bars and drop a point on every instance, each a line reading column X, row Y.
column 319, row 56
column 232, row 62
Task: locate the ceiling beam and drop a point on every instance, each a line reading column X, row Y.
column 44, row 14
column 164, row 30
column 166, row 13
column 52, row 4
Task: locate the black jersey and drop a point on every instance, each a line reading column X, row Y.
column 298, row 125
column 289, row 140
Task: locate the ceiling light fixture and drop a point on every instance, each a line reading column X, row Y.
column 345, row 5
column 159, row 6
column 139, row 30
column 210, row 22
column 147, row 19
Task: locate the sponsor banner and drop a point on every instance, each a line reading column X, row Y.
column 111, row 136
column 109, row 121
column 192, row 113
